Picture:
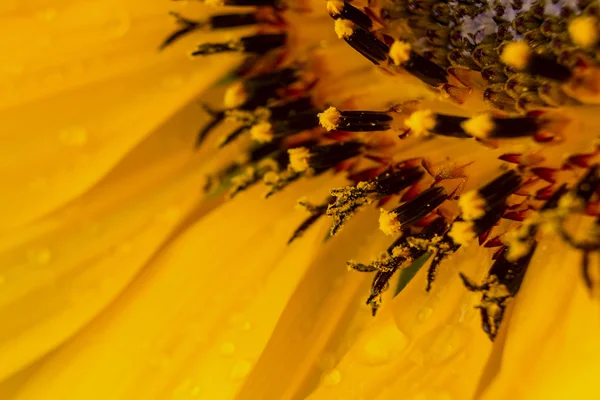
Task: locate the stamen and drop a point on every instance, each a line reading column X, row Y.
column 256, row 44
column 341, row 9
column 355, row 121
column 316, row 212
column 496, row 192
column 319, row 159
column 362, row 41
column 225, row 21
column 503, row 282
column 584, row 31
column 391, row 222
column 421, row 67
column 520, row 56
column 399, row 255
column 350, row 198
column 247, row 3
column 400, row 52
column 262, row 132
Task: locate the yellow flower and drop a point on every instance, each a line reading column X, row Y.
column 126, row 273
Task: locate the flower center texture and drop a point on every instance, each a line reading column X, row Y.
column 467, row 123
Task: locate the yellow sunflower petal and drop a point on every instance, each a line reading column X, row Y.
column 424, row 345
column 176, row 317
column 79, row 103
column 551, row 348
column 56, row 274
column 312, row 332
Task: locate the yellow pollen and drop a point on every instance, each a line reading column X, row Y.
column 299, row 158
column 400, row 251
column 388, row 222
column 235, row 95
column 271, row 177
column 329, row 118
column 335, row 7
column 479, row 126
column 569, row 203
column 472, row 205
column 584, row 31
column 344, row 28
column 400, row 52
column 518, row 247
column 421, row 122
column 262, row 132
column 462, row 232
column 516, row 55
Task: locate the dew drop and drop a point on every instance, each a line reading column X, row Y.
column 424, row 314
column 374, row 352
column 119, row 25
column 245, row 326
column 195, row 391
column 332, row 378
column 41, row 256
column 240, row 370
column 227, row 349
column 75, row 136
column 447, row 344
column 379, row 344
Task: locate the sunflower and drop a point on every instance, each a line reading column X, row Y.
column 444, row 158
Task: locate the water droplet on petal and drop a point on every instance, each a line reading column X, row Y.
column 195, row 391
column 75, row 136
column 246, row 326
column 41, row 256
column 380, row 344
column 119, row 25
column 424, row 314
column 332, row 378
column 240, row 370
column 447, row 344
column 227, row 349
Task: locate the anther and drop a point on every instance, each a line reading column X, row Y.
column 354, row 121
column 521, row 57
column 391, row 222
column 247, row 3
column 350, row 198
column 321, row 158
column 362, row 41
column 256, row 44
column 341, row 9
column 503, row 282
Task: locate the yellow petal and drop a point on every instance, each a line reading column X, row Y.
column 59, row 138
column 424, row 345
column 58, row 273
column 313, row 330
column 165, row 330
column 550, row 349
